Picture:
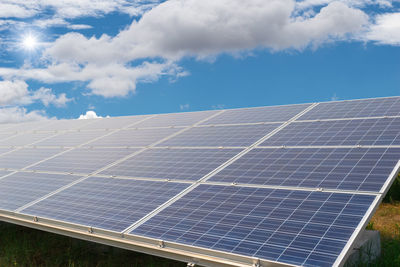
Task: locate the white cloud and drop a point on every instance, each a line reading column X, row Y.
column 72, row 8
column 386, row 29
column 90, row 114
column 16, row 92
column 12, row 92
column 184, row 106
column 10, row 9
column 185, row 28
column 47, row 97
column 19, row 114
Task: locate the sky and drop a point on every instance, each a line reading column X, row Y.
column 61, row 59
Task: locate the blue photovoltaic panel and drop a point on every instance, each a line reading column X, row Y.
column 254, row 115
column 113, row 123
column 355, row 109
column 134, row 137
column 63, row 125
column 22, row 158
column 296, row 227
column 175, row 119
column 107, row 203
column 22, row 188
column 71, row 139
column 385, row 131
column 83, row 160
column 181, row 164
column 26, row 138
column 27, row 126
column 365, row 169
column 238, row 135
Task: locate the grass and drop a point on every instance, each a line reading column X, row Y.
column 21, row 246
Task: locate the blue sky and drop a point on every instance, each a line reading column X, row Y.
column 117, row 57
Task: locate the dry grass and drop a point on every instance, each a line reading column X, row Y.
column 387, row 220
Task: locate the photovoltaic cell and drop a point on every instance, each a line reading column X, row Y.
column 365, row 169
column 107, row 203
column 296, row 227
column 28, row 126
column 26, row 138
column 71, row 139
column 64, row 125
column 22, row 188
column 24, row 157
column 134, row 137
column 238, row 135
column 175, row 119
column 254, row 115
column 83, row 160
column 385, row 131
column 181, row 164
column 113, row 123
column 355, row 109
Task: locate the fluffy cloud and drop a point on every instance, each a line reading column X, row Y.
column 19, row 114
column 16, row 93
column 186, row 28
column 90, row 114
column 386, row 29
column 72, row 8
column 179, row 28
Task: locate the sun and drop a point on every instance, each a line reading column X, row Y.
column 29, row 42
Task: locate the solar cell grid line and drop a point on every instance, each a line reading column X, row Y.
column 106, row 203
column 242, row 221
column 375, row 132
column 134, row 137
column 103, row 168
column 351, row 169
column 355, row 108
column 221, row 167
column 19, row 188
column 258, row 114
column 231, row 136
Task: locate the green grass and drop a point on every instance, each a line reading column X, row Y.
column 21, row 246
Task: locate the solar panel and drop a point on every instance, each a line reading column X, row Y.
column 295, row 227
column 21, row 188
column 254, row 115
column 106, row 203
column 355, row 169
column 82, row 160
column 384, row 131
column 238, row 135
column 113, row 123
column 72, row 139
column 285, row 185
column 175, row 119
column 24, row 157
column 134, row 137
column 26, row 138
column 179, row 164
column 355, row 109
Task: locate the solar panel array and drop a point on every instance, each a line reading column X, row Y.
column 289, row 184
